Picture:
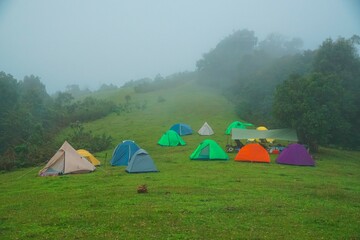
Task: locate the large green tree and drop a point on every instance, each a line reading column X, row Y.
column 313, row 106
column 8, row 101
column 324, row 105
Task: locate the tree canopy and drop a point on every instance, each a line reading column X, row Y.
column 30, row 118
column 323, row 105
column 272, row 82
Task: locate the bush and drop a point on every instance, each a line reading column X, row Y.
column 86, row 140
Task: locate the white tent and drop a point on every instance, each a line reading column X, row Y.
column 66, row 160
column 206, row 130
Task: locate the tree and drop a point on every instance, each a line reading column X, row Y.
column 313, row 106
column 33, row 96
column 341, row 58
column 219, row 66
column 30, row 118
column 8, row 101
column 324, row 105
column 127, row 98
column 75, row 90
column 63, row 99
column 9, row 92
column 277, row 45
column 105, row 87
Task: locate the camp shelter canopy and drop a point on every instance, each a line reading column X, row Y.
column 141, row 162
column 237, row 124
column 171, row 139
column 286, row 134
column 209, row 150
column 91, row 158
column 66, row 160
column 182, row 129
column 253, row 152
column 295, row 154
column 205, row 130
column 263, row 128
column 123, row 152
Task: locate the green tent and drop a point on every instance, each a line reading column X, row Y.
column 209, row 150
column 171, row 139
column 237, row 124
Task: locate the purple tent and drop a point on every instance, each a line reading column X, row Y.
column 295, row 154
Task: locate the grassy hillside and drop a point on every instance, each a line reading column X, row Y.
column 189, row 103
column 186, row 199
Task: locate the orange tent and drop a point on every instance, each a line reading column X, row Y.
column 253, row 152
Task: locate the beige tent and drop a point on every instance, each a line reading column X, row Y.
column 91, row 158
column 206, row 130
column 66, row 160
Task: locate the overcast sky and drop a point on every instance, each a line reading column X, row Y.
column 90, row 42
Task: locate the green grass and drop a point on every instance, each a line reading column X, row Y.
column 186, row 199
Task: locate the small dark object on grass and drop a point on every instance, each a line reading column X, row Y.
column 142, row 189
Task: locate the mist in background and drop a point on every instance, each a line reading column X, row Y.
column 88, row 42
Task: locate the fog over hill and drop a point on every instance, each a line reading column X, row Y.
column 88, row 42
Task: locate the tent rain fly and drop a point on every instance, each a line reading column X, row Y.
column 286, row 134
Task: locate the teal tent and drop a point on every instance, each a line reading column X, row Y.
column 141, row 162
column 209, row 150
column 123, row 153
column 182, row 129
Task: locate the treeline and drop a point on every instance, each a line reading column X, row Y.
column 274, row 83
column 76, row 91
column 148, row 85
column 323, row 105
column 30, row 120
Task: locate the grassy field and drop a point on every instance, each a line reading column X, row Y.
column 186, row 199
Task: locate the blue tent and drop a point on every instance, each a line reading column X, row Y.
column 182, row 129
column 141, row 162
column 123, row 153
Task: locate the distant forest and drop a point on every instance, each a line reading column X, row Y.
column 272, row 82
column 30, row 119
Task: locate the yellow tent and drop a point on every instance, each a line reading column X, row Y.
column 89, row 157
column 262, row 128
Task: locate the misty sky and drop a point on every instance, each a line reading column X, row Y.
column 90, row 42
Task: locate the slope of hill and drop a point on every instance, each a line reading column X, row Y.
column 186, row 199
column 188, row 103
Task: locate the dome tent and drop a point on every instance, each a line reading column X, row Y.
column 182, row 129
column 171, row 139
column 91, row 158
column 295, row 154
column 253, row 152
column 209, row 150
column 123, row 152
column 237, row 124
column 141, row 162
